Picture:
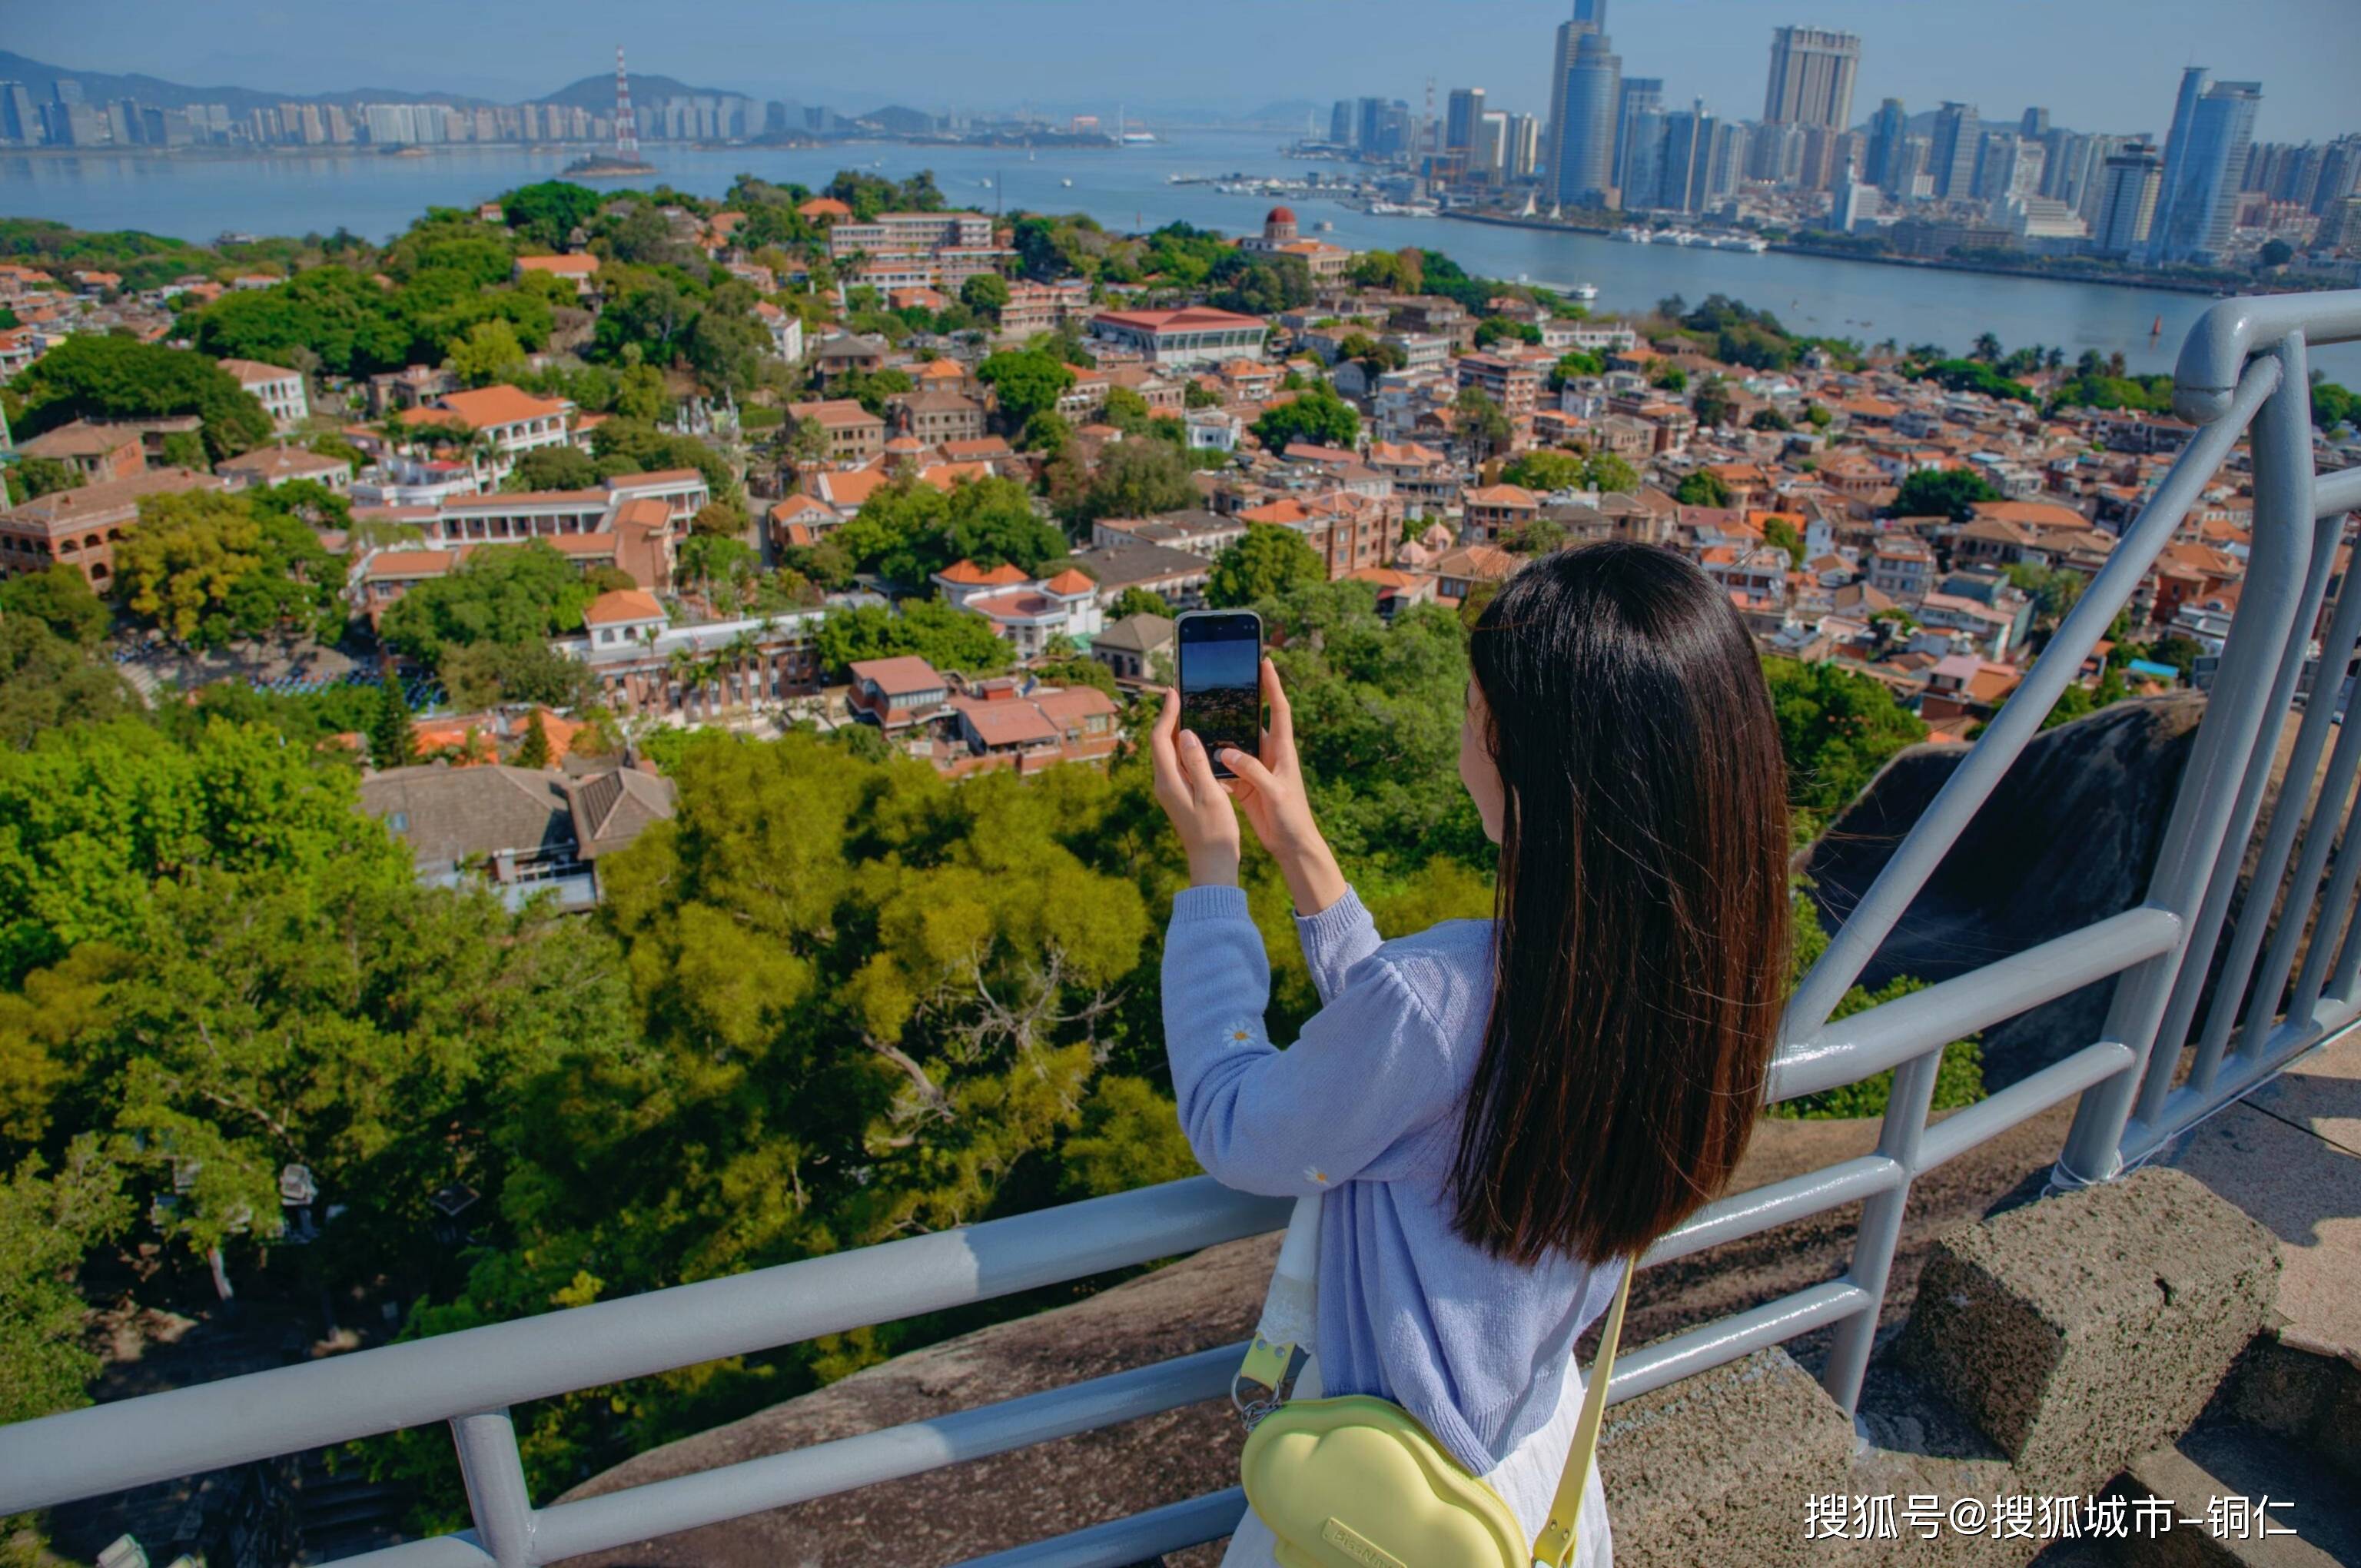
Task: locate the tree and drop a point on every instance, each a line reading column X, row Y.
column 1026, row 383
column 32, row 476
column 534, row 751
column 1768, row 418
column 1702, row 487
column 1711, row 402
column 1986, row 348
column 1669, row 378
column 947, row 638
column 1135, row 479
column 1837, row 729
column 1316, row 415
column 207, row 568
column 724, row 518
column 1781, row 535
column 393, row 739
column 98, row 375
column 49, row 682
column 1263, row 564
column 48, row 1223
column 347, row 324
column 520, row 593
column 60, row 597
column 986, row 294
column 1483, row 423
column 1544, row 469
column 486, row 674
column 552, row 468
column 1138, row 601
column 1539, row 537
column 488, row 352
column 1946, row 492
column 1605, row 471
column 1126, row 410
column 1575, row 364
column 546, row 214
column 2277, row 253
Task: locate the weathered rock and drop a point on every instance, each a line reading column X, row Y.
column 1714, row 1470
column 2082, row 1332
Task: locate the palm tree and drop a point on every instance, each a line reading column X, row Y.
column 1987, row 348
column 682, row 668
column 740, row 652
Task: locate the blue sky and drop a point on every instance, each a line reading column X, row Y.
column 2096, row 64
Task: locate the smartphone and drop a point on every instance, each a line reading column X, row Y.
column 1221, row 680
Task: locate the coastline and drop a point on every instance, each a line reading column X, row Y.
column 1923, row 264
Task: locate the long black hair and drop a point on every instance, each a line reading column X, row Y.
column 1641, row 946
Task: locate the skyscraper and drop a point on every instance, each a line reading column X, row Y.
column 2034, row 125
column 2202, row 165
column 2129, row 206
column 1340, row 123
column 1524, row 146
column 1643, row 158
column 1639, row 95
column 17, row 120
column 1583, row 163
column 1589, row 16
column 1812, row 72
column 1687, row 159
column 1951, row 158
column 1884, row 167
column 1461, row 118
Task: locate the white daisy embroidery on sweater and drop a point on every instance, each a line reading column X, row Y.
column 1316, row 1176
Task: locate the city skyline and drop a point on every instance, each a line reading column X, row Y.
column 2002, row 58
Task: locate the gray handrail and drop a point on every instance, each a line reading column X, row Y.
column 2242, row 364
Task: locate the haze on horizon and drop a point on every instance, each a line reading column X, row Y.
column 2098, row 65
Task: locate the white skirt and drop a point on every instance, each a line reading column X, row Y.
column 1527, row 1479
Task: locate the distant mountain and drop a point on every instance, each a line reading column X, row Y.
column 99, row 87
column 596, row 94
column 593, row 93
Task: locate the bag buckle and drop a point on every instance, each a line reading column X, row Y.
column 1265, row 1379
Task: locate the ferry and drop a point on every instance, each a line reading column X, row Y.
column 1634, row 235
column 1740, row 242
column 1403, row 209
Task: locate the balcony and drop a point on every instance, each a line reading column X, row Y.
column 2155, row 1071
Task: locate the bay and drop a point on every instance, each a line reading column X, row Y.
column 199, row 197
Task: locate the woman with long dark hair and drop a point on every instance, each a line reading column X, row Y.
column 1496, row 1115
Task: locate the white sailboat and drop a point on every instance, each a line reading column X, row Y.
column 1556, row 212
column 1529, row 204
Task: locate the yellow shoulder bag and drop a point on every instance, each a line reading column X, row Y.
column 1356, row 1482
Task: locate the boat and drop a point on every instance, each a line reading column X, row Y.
column 1631, row 234
column 2155, row 327
column 1067, row 183
column 1584, row 291
column 1325, row 226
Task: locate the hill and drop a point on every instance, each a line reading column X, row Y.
column 39, row 79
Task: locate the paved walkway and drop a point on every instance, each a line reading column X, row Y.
column 2289, row 1154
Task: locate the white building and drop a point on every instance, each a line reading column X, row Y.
column 1024, row 612
column 279, row 390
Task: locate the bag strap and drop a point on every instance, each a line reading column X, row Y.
column 1283, row 1334
column 1556, row 1546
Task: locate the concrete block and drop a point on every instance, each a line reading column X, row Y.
column 1715, row 1469
column 2086, row 1330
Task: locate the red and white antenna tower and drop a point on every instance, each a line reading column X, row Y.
column 627, row 128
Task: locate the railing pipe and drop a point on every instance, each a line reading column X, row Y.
column 2282, row 512
column 2026, row 1098
column 1122, row 1543
column 1777, row 1203
column 2214, row 354
column 497, row 1495
column 289, row 1409
column 2337, row 492
column 822, row 1469
column 2289, row 813
column 1651, row 1367
column 1881, row 1227
column 1850, row 1048
column 2320, row 824
column 2201, row 806
column 1963, row 793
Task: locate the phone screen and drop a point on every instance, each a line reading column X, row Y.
column 1221, row 680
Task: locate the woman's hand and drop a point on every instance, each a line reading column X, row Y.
column 1270, row 789
column 1193, row 798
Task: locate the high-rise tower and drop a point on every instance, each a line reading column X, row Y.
column 627, row 128
column 1812, row 72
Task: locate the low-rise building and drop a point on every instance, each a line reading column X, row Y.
column 1193, row 334
column 96, row 451
column 279, row 390
column 894, row 694
column 268, row 468
column 1131, row 647
column 524, row 832
column 853, row 434
column 78, row 527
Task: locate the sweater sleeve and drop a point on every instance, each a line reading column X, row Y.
column 1334, row 940
column 1367, row 1068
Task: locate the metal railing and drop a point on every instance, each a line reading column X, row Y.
column 2243, row 365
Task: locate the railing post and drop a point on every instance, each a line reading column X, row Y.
column 1905, row 1130
column 494, row 1475
column 2207, row 799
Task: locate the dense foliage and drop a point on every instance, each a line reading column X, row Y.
column 90, row 375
